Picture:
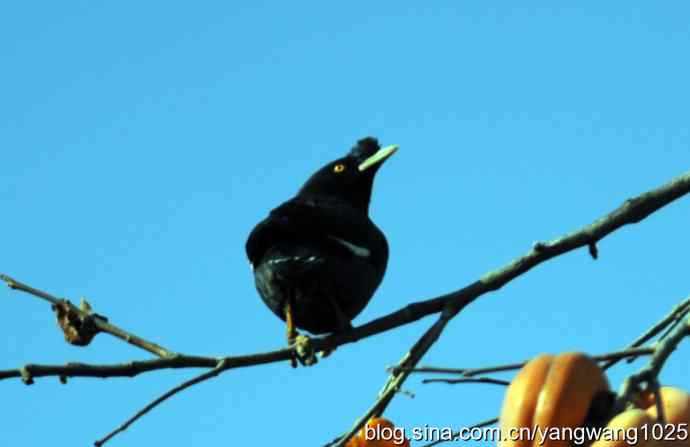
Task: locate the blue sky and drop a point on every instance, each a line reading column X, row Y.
column 141, row 142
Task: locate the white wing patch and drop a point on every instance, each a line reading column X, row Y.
column 294, row 258
column 356, row 250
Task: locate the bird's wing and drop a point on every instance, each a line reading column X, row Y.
column 307, row 220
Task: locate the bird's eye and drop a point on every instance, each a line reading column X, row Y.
column 338, row 168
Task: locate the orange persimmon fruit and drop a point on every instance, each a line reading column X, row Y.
column 551, row 392
column 674, row 432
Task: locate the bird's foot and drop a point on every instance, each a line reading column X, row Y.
column 304, row 351
column 345, row 326
column 292, row 333
column 326, row 352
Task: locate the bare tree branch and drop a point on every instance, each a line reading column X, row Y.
column 471, row 372
column 397, row 378
column 675, row 315
column 131, row 369
column 489, row 380
column 198, row 379
column 101, row 324
column 650, row 372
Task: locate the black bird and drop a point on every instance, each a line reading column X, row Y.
column 318, row 258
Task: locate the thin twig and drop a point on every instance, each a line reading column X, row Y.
column 467, row 372
column 198, row 379
column 489, row 380
column 131, row 369
column 674, row 315
column 658, row 401
column 101, row 324
column 650, row 372
column 470, row 372
column 682, row 314
column 396, row 380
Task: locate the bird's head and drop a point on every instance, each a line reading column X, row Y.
column 351, row 177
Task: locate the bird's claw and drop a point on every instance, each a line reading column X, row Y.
column 326, row 352
column 304, row 351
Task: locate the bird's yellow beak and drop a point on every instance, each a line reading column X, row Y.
column 378, row 157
